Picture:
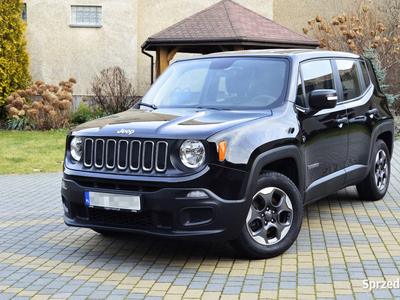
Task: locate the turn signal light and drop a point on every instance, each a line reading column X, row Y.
column 222, row 150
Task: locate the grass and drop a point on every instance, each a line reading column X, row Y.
column 31, row 152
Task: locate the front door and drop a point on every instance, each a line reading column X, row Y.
column 324, row 134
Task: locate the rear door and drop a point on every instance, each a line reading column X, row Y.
column 324, row 134
column 356, row 94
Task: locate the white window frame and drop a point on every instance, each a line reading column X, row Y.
column 90, row 11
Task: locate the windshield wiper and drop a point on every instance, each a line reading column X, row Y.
column 148, row 105
column 214, row 108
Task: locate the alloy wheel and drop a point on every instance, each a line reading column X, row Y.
column 381, row 170
column 270, row 216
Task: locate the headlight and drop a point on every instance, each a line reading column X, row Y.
column 76, row 148
column 192, row 153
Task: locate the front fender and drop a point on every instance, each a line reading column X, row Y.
column 265, row 158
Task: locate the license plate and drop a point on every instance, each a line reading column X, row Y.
column 112, row 201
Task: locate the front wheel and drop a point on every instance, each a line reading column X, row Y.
column 375, row 185
column 274, row 218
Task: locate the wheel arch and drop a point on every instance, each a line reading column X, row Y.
column 286, row 166
column 384, row 132
column 387, row 138
column 285, row 160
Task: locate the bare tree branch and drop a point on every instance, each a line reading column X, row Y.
column 113, row 92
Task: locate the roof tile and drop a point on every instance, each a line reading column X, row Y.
column 227, row 19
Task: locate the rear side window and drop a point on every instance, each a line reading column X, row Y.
column 317, row 75
column 350, row 79
column 364, row 71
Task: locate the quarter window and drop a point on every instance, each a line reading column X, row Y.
column 317, row 75
column 364, row 71
column 348, row 73
column 300, row 96
column 86, row 16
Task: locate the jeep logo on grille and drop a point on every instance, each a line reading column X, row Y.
column 125, row 131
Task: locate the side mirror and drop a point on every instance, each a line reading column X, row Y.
column 322, row 99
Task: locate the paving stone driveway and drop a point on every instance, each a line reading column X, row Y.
column 343, row 241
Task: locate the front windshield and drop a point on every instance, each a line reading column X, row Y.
column 221, row 83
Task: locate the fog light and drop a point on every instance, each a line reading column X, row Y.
column 197, row 194
column 63, row 185
column 66, row 209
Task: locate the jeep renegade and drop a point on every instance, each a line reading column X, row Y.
column 231, row 146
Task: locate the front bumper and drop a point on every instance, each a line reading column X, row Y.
column 165, row 211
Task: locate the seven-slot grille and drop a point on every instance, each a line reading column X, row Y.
column 125, row 154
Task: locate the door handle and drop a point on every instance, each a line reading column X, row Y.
column 341, row 121
column 371, row 113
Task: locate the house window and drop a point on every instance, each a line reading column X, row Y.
column 23, row 12
column 85, row 16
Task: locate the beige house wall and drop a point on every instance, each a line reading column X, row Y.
column 294, row 13
column 58, row 51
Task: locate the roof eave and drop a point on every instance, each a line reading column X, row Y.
column 151, row 43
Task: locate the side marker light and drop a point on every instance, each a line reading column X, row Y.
column 222, row 150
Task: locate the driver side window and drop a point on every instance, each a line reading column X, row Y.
column 317, row 75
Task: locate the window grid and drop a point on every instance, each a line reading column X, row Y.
column 86, row 15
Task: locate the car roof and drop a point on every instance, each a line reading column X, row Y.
column 300, row 54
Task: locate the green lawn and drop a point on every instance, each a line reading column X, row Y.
column 30, row 152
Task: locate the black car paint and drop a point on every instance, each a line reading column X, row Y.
column 254, row 138
column 184, row 123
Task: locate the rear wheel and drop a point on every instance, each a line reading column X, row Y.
column 274, row 218
column 375, row 185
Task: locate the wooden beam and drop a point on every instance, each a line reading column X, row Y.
column 238, row 47
column 161, row 60
column 172, row 53
column 222, row 48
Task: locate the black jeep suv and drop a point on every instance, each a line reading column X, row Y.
column 231, row 146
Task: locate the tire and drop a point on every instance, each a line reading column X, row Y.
column 375, row 185
column 274, row 218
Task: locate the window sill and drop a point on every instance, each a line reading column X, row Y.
column 87, row 26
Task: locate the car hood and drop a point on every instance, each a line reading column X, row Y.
column 167, row 123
